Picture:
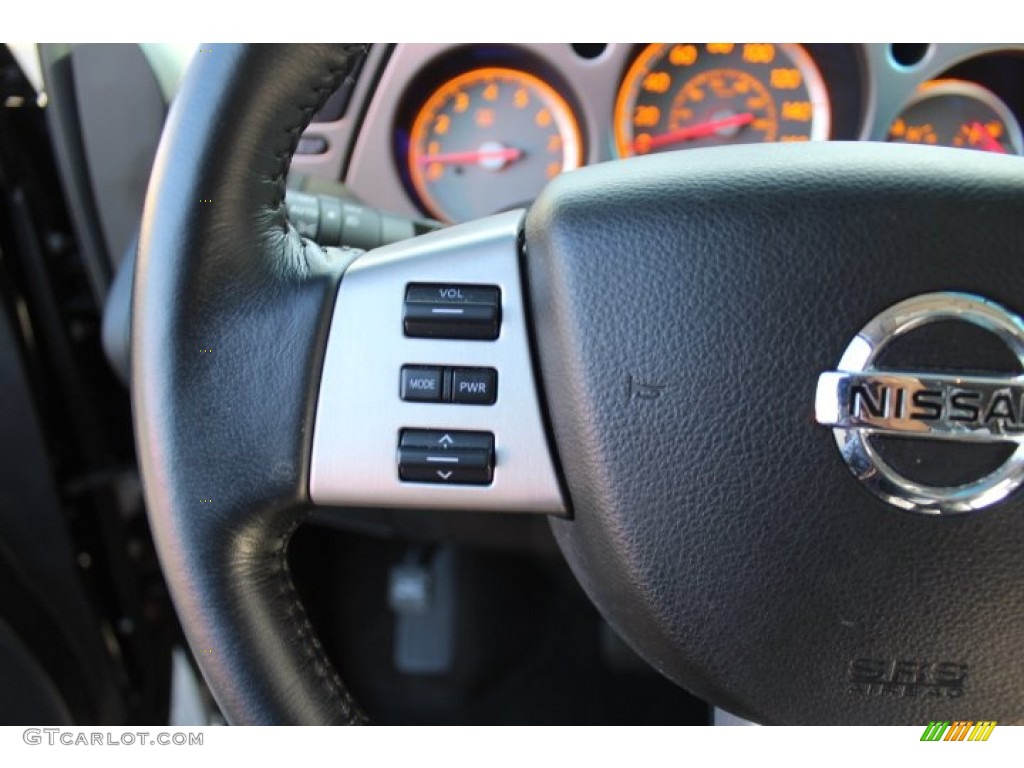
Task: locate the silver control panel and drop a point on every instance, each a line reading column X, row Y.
column 363, row 424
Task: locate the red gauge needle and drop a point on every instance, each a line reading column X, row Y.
column 986, row 139
column 507, row 155
column 696, row 131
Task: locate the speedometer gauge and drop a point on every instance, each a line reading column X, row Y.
column 489, row 140
column 678, row 95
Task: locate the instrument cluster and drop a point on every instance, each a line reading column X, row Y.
column 479, row 129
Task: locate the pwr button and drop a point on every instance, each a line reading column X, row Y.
column 474, row 386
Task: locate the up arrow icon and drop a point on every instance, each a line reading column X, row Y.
column 445, row 440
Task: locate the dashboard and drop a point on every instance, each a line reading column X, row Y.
column 455, row 132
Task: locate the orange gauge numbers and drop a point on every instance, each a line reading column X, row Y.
column 679, row 95
column 489, row 140
column 958, row 113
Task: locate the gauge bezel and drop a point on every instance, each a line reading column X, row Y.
column 563, row 114
column 953, row 86
column 626, row 95
column 421, row 69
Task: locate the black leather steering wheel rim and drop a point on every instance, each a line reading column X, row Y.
column 228, row 297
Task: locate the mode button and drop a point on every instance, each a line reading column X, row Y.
column 421, row 384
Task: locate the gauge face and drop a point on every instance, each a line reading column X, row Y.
column 489, row 140
column 958, row 113
column 679, row 95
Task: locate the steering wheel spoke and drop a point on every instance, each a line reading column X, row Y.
column 428, row 398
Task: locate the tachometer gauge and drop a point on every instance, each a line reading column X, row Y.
column 958, row 113
column 489, row 140
column 678, row 95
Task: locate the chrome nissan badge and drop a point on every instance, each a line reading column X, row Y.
column 862, row 402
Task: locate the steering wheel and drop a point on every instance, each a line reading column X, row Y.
column 759, row 392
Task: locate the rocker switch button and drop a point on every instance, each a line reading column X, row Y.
column 448, row 311
column 446, row 458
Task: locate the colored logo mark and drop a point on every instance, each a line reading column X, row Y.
column 960, row 730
